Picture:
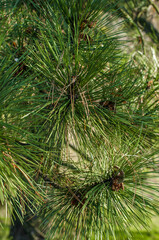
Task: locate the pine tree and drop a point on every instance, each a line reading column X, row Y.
column 78, row 123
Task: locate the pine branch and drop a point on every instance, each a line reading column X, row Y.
column 72, row 99
column 47, row 180
column 136, row 26
column 154, row 5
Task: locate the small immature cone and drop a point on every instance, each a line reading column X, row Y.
column 117, row 179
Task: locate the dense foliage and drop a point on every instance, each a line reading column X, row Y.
column 78, row 120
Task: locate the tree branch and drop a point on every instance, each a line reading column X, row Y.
column 154, row 5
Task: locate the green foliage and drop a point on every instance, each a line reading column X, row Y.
column 78, row 121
